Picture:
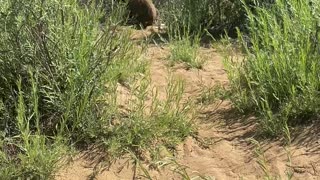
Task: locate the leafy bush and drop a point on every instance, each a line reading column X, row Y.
column 279, row 77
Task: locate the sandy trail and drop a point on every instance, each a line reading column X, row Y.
column 223, row 148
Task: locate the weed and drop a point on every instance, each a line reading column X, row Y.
column 262, row 161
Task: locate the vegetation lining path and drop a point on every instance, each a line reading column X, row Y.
column 224, row 146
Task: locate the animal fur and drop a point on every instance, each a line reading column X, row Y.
column 143, row 10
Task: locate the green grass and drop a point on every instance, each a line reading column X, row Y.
column 195, row 14
column 55, row 69
column 59, row 75
column 147, row 127
column 186, row 51
column 200, row 15
column 211, row 94
column 279, row 78
column 30, row 155
column 60, row 72
column 184, row 47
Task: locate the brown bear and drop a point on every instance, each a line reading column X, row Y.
column 143, row 10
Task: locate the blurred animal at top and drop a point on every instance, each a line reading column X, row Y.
column 143, row 11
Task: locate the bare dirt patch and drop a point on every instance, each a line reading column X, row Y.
column 223, row 147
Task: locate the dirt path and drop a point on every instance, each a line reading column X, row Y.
column 223, row 148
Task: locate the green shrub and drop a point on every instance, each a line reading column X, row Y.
column 62, row 44
column 55, row 63
column 279, row 77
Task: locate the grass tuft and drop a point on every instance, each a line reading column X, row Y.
column 279, row 78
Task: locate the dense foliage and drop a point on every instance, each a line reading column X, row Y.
column 279, row 77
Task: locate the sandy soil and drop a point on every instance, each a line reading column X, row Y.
column 223, row 147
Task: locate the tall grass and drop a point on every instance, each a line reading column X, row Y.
column 29, row 155
column 214, row 15
column 55, row 63
column 60, row 69
column 179, row 14
column 279, row 77
column 62, row 44
column 185, row 48
column 151, row 124
column 184, row 37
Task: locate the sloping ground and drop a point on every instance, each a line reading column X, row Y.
column 223, row 148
